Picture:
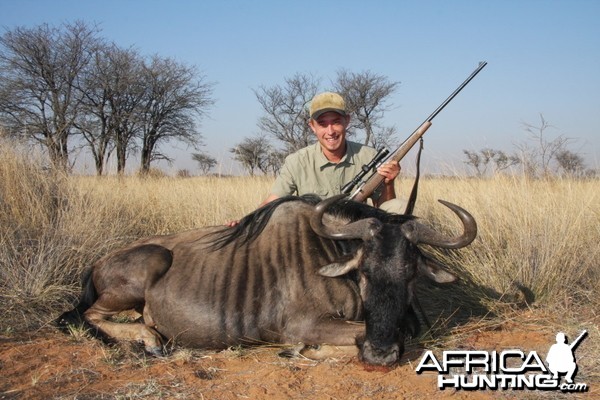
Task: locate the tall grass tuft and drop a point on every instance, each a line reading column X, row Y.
column 33, row 255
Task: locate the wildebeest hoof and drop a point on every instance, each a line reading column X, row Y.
column 324, row 352
column 156, row 351
column 288, row 353
column 292, row 352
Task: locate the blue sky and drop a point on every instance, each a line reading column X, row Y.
column 543, row 58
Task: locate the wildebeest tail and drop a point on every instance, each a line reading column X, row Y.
column 88, row 297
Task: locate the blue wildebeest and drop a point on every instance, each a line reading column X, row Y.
column 295, row 271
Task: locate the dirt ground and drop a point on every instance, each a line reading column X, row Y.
column 53, row 365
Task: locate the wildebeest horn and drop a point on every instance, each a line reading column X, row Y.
column 417, row 233
column 362, row 229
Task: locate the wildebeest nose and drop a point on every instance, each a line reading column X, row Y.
column 380, row 356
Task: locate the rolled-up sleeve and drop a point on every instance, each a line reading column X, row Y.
column 285, row 184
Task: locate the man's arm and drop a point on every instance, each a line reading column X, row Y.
column 389, row 171
column 284, row 183
column 268, row 200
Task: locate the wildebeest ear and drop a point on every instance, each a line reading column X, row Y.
column 349, row 263
column 434, row 270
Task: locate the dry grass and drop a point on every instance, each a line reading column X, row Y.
column 537, row 245
column 537, row 239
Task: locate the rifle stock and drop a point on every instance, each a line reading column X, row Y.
column 367, row 188
column 364, row 191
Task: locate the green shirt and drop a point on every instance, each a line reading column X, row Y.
column 309, row 171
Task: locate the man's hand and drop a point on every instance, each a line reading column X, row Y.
column 269, row 199
column 390, row 170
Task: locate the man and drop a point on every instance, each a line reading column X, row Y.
column 560, row 358
column 325, row 167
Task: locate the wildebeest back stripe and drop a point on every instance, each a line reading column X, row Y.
column 267, row 296
column 222, row 289
column 296, row 252
column 248, row 304
column 239, row 287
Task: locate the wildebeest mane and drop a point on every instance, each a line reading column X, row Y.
column 353, row 211
column 250, row 226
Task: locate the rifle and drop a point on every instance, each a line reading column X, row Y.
column 366, row 188
column 575, row 342
column 365, row 169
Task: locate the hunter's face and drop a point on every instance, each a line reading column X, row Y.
column 330, row 129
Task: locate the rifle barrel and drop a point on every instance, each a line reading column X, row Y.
column 457, row 91
column 367, row 188
column 575, row 342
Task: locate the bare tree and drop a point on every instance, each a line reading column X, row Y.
column 40, row 76
column 113, row 91
column 474, row 160
column 273, row 162
column 482, row 159
column 94, row 121
column 366, row 96
column 205, row 162
column 537, row 155
column 537, row 160
column 127, row 89
column 176, row 96
column 571, row 163
column 504, row 161
column 386, row 137
column 285, row 111
column 133, row 103
column 286, row 108
column 254, row 153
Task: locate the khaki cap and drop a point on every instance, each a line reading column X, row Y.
column 325, row 102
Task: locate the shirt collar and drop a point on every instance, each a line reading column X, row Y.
column 348, row 158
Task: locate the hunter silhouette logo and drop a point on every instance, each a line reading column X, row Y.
column 508, row 369
column 561, row 356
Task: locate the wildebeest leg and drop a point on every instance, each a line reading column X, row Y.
column 121, row 282
column 336, row 332
column 326, row 339
column 319, row 352
column 330, row 331
column 98, row 317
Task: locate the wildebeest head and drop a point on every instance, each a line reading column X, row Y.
column 387, row 263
